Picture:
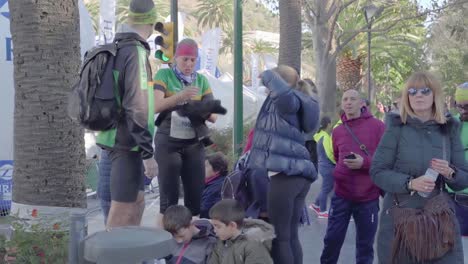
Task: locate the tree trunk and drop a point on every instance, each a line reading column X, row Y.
column 326, row 83
column 290, row 45
column 48, row 147
column 324, row 62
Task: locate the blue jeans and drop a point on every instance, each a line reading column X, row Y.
column 462, row 216
column 327, row 186
column 366, row 219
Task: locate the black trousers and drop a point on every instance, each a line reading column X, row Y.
column 286, row 201
column 184, row 160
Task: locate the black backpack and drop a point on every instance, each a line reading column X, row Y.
column 95, row 100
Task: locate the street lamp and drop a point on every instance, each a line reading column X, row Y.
column 370, row 13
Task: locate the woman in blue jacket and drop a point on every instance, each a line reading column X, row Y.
column 288, row 112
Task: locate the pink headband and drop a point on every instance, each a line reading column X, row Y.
column 186, row 50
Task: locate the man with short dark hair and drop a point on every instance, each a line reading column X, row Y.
column 130, row 143
column 354, row 143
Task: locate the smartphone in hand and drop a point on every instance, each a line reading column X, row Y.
column 350, row 156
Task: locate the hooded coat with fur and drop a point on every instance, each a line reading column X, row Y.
column 406, row 151
column 252, row 246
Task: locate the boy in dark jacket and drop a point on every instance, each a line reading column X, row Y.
column 193, row 240
column 240, row 240
column 216, row 170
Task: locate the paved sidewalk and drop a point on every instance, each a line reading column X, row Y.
column 311, row 236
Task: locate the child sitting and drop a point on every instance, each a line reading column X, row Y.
column 240, row 240
column 216, row 169
column 193, row 241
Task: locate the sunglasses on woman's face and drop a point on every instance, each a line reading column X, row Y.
column 424, row 91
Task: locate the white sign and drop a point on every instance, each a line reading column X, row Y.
column 106, row 21
column 7, row 91
column 255, row 72
column 211, row 41
column 87, row 34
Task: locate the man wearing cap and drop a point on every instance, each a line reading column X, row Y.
column 130, row 143
column 461, row 198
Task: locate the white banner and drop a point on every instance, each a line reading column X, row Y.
column 7, row 90
column 106, row 21
column 211, row 41
column 255, row 72
column 87, row 34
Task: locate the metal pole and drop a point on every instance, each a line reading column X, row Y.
column 175, row 20
column 78, row 231
column 238, row 86
column 369, row 86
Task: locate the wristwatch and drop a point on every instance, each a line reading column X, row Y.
column 453, row 173
column 409, row 188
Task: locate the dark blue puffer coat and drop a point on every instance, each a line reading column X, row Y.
column 279, row 144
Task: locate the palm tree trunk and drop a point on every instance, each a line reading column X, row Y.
column 48, row 148
column 290, row 33
column 349, row 72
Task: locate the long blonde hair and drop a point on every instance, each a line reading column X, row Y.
column 423, row 79
column 291, row 76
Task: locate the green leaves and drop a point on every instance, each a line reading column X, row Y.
column 215, row 13
column 448, row 49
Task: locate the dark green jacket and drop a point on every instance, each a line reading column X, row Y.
column 251, row 247
column 132, row 73
column 405, row 151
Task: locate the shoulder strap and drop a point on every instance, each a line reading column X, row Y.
column 116, row 77
column 361, row 146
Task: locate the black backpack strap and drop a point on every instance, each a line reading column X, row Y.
column 361, row 146
column 119, row 45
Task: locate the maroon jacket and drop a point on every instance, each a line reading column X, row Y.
column 356, row 185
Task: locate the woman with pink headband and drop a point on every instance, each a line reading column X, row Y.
column 179, row 151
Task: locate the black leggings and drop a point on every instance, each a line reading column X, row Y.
column 286, row 200
column 180, row 159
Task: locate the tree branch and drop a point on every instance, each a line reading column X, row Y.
column 332, row 10
column 309, row 16
column 309, row 8
column 388, row 28
column 331, row 31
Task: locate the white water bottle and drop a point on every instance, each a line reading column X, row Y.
column 431, row 175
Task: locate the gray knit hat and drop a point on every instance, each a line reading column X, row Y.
column 142, row 12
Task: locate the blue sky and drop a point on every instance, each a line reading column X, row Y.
column 427, row 3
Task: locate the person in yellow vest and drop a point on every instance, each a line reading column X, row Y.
column 461, row 197
column 326, row 164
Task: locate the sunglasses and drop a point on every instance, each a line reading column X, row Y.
column 424, row 91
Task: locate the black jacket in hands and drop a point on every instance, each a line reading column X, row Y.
column 197, row 112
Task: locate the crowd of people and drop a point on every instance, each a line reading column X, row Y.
column 404, row 180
